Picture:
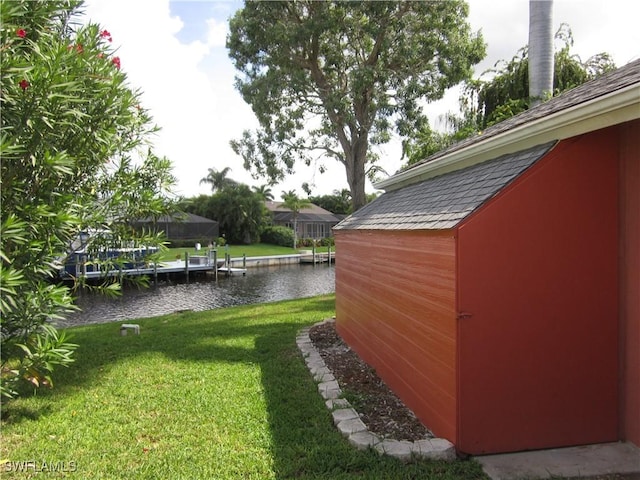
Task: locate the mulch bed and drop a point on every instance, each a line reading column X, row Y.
column 379, row 408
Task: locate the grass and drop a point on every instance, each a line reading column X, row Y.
column 254, row 250
column 222, row 394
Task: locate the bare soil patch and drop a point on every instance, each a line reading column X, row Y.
column 379, row 408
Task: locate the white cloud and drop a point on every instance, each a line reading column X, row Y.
column 597, row 25
column 197, row 112
column 217, row 34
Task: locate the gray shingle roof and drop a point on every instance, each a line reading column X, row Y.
column 313, row 213
column 444, row 201
column 179, row 217
column 622, row 77
column 305, row 217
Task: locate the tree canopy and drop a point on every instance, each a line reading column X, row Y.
column 239, row 211
column 218, row 179
column 331, row 79
column 264, row 191
column 339, row 202
column 75, row 158
column 505, row 93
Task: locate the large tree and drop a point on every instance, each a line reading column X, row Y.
column 333, row 78
column 74, row 159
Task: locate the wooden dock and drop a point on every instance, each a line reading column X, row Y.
column 195, row 264
column 165, row 268
column 315, row 256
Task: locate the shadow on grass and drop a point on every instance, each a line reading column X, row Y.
column 305, row 444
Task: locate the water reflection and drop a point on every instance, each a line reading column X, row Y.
column 265, row 284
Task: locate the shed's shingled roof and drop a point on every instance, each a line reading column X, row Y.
column 444, row 201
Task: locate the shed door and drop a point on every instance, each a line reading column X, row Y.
column 537, row 294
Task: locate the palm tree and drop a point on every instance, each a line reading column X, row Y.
column 540, row 50
column 218, row 179
column 344, row 202
column 295, row 204
column 264, row 191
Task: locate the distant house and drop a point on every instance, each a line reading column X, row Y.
column 495, row 286
column 182, row 226
column 313, row 222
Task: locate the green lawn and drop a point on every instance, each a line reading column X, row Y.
column 222, row 394
column 254, row 250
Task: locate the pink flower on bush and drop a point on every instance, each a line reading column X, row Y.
column 77, row 47
column 106, row 34
column 24, row 84
column 116, row 62
column 21, row 32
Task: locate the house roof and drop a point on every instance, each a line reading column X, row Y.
column 444, row 201
column 608, row 100
column 179, row 217
column 312, row 214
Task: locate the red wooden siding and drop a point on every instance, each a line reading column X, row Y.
column 538, row 272
column 395, row 306
column 630, row 280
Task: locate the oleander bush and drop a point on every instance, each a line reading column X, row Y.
column 75, row 159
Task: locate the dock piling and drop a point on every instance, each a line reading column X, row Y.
column 215, row 263
column 186, row 265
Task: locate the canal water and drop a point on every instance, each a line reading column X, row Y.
column 259, row 285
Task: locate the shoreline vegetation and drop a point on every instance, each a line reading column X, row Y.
column 221, row 394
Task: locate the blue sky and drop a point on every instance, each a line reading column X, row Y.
column 174, row 51
column 195, row 14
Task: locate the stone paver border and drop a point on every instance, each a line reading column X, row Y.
column 348, row 421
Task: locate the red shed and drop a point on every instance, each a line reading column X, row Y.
column 496, row 285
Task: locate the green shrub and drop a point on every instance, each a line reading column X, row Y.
column 328, row 241
column 277, row 235
column 321, row 242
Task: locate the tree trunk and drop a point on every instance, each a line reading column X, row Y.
column 356, row 181
column 540, row 50
column 295, row 230
column 355, row 166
